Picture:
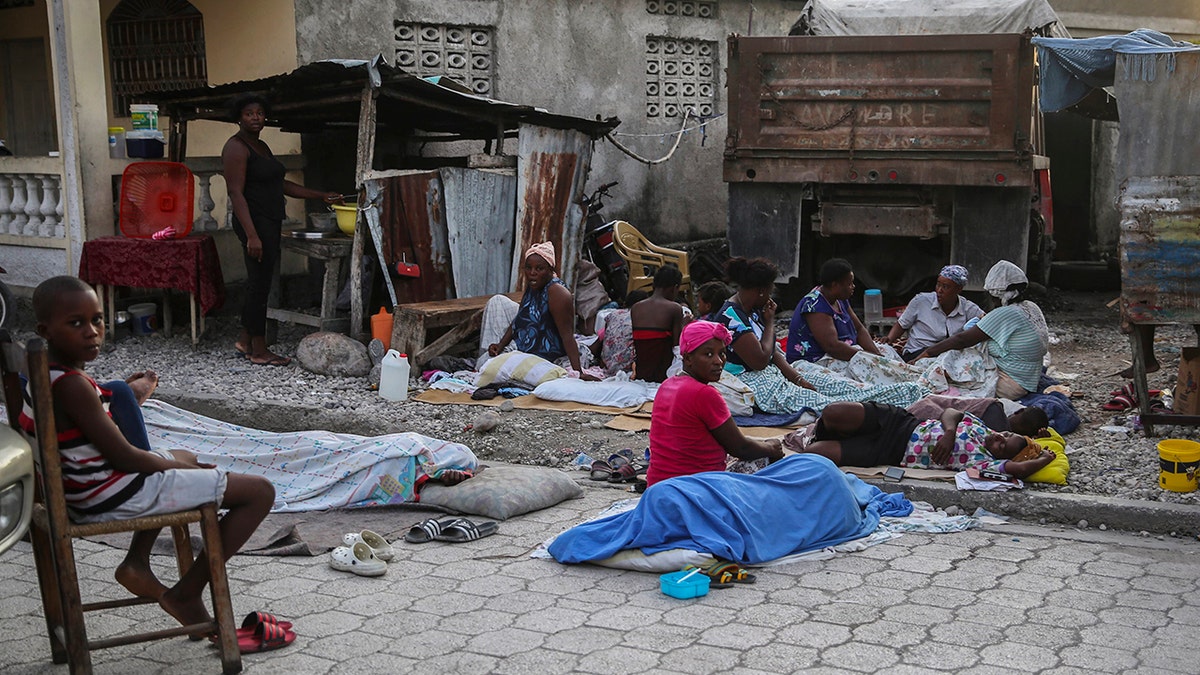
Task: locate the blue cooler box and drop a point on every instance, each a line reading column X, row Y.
column 145, row 144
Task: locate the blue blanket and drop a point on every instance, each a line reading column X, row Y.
column 1063, row 417
column 762, row 419
column 798, row 504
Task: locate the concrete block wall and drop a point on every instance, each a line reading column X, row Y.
column 585, row 59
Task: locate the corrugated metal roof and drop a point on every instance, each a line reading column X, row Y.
column 326, row 94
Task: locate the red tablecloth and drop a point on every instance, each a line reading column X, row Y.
column 190, row 264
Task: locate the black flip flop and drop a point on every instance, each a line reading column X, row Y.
column 426, row 531
column 463, row 530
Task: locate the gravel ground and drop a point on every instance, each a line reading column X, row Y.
column 1087, row 348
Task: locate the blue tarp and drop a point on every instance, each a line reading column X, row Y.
column 798, row 504
column 1071, row 69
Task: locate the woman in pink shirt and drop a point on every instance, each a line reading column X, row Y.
column 691, row 430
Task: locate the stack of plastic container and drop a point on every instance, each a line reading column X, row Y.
column 145, row 140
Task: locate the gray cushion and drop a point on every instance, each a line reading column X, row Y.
column 502, row 492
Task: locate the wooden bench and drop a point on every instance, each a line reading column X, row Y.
column 412, row 323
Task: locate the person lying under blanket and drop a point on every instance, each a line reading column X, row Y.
column 870, row 434
column 800, row 503
column 691, row 430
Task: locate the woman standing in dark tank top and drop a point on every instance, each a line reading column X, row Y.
column 256, row 185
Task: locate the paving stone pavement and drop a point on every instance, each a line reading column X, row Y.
column 1010, row 599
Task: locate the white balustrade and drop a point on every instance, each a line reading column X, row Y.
column 31, row 205
column 206, row 222
column 6, row 198
column 17, row 208
column 46, row 209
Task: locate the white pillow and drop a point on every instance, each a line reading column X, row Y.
column 738, row 396
column 661, row 562
column 614, row 394
column 519, row 367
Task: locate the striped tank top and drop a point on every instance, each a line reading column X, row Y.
column 91, row 485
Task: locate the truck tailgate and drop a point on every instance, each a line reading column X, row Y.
column 934, row 109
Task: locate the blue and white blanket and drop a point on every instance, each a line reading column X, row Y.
column 311, row 470
column 801, row 503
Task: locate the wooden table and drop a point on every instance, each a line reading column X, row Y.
column 411, row 324
column 332, row 251
column 190, row 264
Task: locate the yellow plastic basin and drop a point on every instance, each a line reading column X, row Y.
column 346, row 215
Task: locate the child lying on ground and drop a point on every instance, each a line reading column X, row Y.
column 112, row 474
column 871, row 434
column 691, row 430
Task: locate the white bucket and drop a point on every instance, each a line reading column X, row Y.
column 144, row 117
column 142, row 316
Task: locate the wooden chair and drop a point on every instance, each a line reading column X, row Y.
column 52, row 532
column 644, row 259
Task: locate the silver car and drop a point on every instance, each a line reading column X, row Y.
column 16, row 487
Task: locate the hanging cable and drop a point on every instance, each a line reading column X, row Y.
column 687, row 115
column 706, row 121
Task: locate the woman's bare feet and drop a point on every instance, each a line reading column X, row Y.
column 267, row 358
column 139, row 580
column 187, row 611
column 143, row 384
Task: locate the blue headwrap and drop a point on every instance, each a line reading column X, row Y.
column 955, row 273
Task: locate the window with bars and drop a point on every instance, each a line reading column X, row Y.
column 465, row 54
column 154, row 45
column 680, row 74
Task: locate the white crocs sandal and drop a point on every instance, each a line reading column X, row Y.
column 357, row 559
column 379, row 546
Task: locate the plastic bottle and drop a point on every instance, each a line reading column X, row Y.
column 873, row 306
column 393, row 376
column 116, row 142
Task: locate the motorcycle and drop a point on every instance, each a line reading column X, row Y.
column 598, row 238
column 8, row 303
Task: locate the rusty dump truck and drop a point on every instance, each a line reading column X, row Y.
column 901, row 153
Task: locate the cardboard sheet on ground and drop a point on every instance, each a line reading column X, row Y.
column 641, row 422
column 530, row 402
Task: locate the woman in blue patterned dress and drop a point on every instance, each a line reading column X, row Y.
column 824, row 324
column 544, row 324
column 757, row 359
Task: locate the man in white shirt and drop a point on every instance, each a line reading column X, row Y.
column 933, row 317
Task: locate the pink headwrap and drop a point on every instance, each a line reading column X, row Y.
column 697, row 333
column 544, row 249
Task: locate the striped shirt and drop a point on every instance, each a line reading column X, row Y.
column 1014, row 344
column 90, row 484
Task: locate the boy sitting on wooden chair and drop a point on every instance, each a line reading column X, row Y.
column 111, row 475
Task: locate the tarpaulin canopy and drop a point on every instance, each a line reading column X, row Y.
column 927, row 17
column 1073, row 69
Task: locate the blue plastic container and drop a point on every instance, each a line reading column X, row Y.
column 694, row 586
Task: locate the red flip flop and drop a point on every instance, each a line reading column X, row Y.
column 251, row 623
column 254, row 618
column 266, row 636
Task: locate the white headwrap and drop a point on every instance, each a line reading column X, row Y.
column 1004, row 274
